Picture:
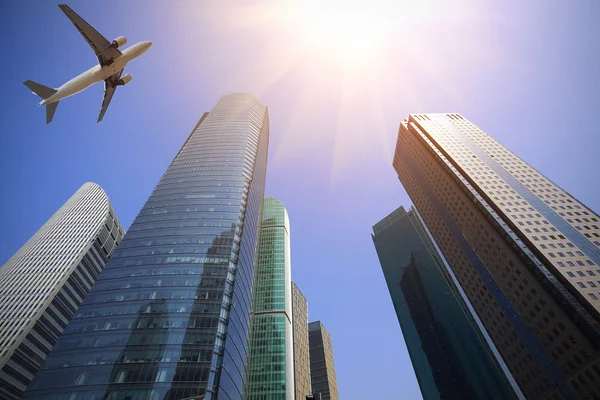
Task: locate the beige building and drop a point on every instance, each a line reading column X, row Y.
column 525, row 251
column 301, row 353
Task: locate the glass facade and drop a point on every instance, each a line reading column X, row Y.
column 168, row 317
column 301, row 352
column 450, row 354
column 43, row 284
column 271, row 369
column 524, row 250
column 322, row 368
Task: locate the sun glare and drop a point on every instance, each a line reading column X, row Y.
column 352, row 34
column 344, row 53
column 355, row 33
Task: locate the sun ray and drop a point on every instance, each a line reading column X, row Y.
column 347, row 57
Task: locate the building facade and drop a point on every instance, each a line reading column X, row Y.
column 302, row 383
column 169, row 316
column 451, row 353
column 43, row 284
column 322, row 368
column 271, row 365
column 526, row 252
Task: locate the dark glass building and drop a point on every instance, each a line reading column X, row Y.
column 322, row 368
column 168, row 317
column 451, row 354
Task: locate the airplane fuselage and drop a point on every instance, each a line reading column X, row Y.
column 97, row 73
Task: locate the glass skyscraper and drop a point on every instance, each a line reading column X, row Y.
column 271, row 365
column 168, row 318
column 526, row 252
column 43, row 284
column 322, row 368
column 450, row 353
column 302, row 383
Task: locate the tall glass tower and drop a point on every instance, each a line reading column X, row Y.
column 168, row 317
column 526, row 252
column 271, row 366
column 451, row 354
column 43, row 284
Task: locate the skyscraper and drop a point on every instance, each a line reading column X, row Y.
column 322, row 368
column 301, row 349
column 525, row 251
column 43, row 284
column 450, row 353
column 271, row 365
column 168, row 318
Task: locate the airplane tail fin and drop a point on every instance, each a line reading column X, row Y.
column 50, row 110
column 43, row 91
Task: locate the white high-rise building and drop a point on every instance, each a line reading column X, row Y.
column 43, row 284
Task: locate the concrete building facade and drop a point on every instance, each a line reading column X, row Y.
column 526, row 252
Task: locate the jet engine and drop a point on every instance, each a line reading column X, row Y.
column 119, row 42
column 125, row 79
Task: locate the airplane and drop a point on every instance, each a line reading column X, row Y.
column 111, row 62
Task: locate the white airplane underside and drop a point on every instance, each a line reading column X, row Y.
column 111, row 62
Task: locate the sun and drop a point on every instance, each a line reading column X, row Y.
column 350, row 57
column 353, row 33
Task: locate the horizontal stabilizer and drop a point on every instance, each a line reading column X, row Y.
column 43, row 91
column 50, row 110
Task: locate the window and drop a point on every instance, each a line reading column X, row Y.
column 592, row 296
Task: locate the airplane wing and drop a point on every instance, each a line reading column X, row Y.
column 101, row 46
column 110, row 85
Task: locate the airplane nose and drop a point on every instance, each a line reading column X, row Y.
column 148, row 44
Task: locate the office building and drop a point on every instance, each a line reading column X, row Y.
column 43, row 284
column 271, row 365
column 525, row 251
column 168, row 317
column 302, row 383
column 322, row 368
column 452, row 355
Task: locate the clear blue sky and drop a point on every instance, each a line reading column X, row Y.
column 525, row 72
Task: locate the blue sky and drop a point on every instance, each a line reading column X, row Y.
column 525, row 72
